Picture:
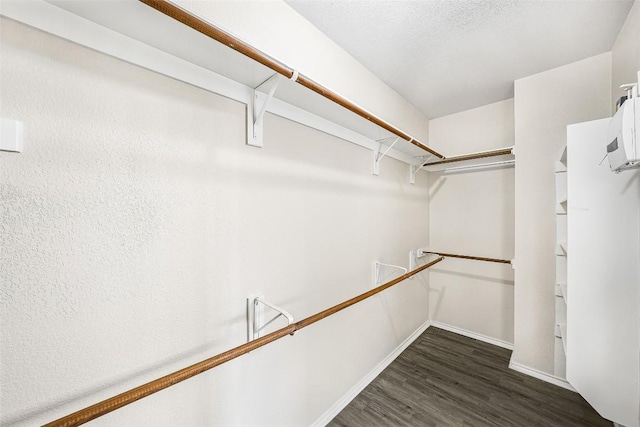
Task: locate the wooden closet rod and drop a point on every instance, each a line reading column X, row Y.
column 492, row 153
column 478, row 258
column 111, row 404
column 246, row 49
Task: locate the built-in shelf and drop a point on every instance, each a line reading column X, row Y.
column 497, row 157
column 562, row 291
column 158, row 42
column 561, row 332
column 172, row 46
column 563, row 335
column 561, row 163
column 561, row 249
column 561, row 210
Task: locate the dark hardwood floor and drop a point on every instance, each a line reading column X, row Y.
column 445, row 379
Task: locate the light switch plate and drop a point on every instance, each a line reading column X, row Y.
column 11, row 135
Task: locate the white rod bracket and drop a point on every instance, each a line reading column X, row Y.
column 414, row 256
column 413, row 169
column 377, row 157
column 255, row 316
column 377, row 265
column 412, row 261
column 422, row 252
column 258, row 107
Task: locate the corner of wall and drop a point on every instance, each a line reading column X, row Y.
column 625, row 61
column 545, row 104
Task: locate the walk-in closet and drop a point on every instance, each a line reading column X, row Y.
column 319, row 213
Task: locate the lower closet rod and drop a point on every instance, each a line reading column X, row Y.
column 97, row 410
column 442, row 254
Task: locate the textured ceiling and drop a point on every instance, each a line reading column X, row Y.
column 446, row 56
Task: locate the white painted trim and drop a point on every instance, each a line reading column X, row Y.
column 552, row 379
column 351, row 394
column 66, row 25
column 474, row 335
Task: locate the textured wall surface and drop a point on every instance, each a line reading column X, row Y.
column 545, row 104
column 472, row 213
column 136, row 222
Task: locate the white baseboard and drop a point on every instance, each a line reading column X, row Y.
column 366, row 380
column 351, row 394
column 560, row 382
column 473, row 335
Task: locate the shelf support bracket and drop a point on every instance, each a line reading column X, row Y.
column 414, row 256
column 413, row 169
column 377, row 157
column 262, row 94
column 255, row 322
column 376, row 267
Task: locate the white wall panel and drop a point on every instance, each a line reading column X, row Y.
column 603, row 347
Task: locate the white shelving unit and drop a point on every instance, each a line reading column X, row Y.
column 560, row 361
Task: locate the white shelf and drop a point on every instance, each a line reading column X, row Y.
column 561, row 249
column 563, row 336
column 501, row 160
column 558, row 334
column 562, row 291
column 561, row 332
column 161, row 35
column 561, row 187
column 561, row 164
column 561, row 210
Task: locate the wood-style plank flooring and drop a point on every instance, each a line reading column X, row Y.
column 445, row 379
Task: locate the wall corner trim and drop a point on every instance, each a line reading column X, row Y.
column 474, row 335
column 360, row 385
column 552, row 379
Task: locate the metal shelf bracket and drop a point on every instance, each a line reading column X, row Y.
column 377, row 157
column 414, row 256
column 414, row 168
column 255, row 316
column 376, row 268
column 262, row 94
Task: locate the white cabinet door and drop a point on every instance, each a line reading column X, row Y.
column 603, row 277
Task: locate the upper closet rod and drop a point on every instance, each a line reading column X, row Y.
column 181, row 15
column 477, row 258
column 94, row 411
column 481, row 155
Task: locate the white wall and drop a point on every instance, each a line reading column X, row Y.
column 136, row 222
column 625, row 54
column 545, row 104
column 472, row 213
column 278, row 30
